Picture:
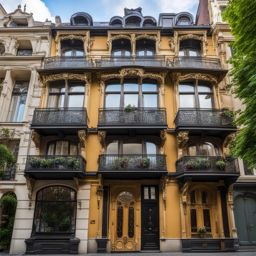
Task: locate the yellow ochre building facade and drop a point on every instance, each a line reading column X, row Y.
column 129, row 140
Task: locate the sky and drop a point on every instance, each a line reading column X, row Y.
column 100, row 10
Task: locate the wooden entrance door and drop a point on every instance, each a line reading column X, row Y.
column 124, row 222
column 149, row 218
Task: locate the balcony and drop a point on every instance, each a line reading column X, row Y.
column 55, row 167
column 8, row 173
column 140, row 119
column 214, row 120
column 132, row 166
column 195, row 63
column 206, row 168
column 50, row 121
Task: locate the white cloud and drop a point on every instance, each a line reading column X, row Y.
column 37, row 7
column 176, row 5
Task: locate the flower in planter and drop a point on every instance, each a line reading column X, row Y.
column 197, row 163
column 121, row 162
column 220, row 164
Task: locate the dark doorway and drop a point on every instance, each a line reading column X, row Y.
column 149, row 218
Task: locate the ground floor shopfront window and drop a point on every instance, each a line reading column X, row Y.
column 55, row 211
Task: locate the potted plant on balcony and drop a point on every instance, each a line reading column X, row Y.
column 144, row 162
column 59, row 162
column 220, row 164
column 73, row 163
column 46, row 163
column 201, row 232
column 35, row 162
column 198, row 163
column 192, row 164
column 121, row 162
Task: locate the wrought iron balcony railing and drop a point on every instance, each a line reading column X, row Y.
column 203, row 119
column 206, row 164
column 94, row 61
column 8, row 173
column 196, row 63
column 153, row 117
column 57, row 117
column 55, row 167
column 126, row 163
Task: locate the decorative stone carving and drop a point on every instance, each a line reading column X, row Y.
column 163, row 137
column 36, row 138
column 172, row 44
column 82, row 135
column 65, row 76
column 227, row 143
column 134, row 72
column 102, row 137
column 199, row 76
column 182, row 139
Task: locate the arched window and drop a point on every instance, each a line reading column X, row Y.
column 190, row 48
column 132, row 92
column 183, row 20
column 116, row 21
column 72, row 48
column 195, row 94
column 145, row 47
column 121, row 48
column 200, row 212
column 62, row 148
column 66, row 94
column 55, row 211
column 133, row 21
column 202, row 149
column 81, row 19
column 149, row 22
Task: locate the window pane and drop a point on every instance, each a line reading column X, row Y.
column 117, row 53
column 68, row 53
column 193, row 197
column 150, row 148
column 186, row 88
column 149, row 87
column 181, row 53
column 132, row 148
column 193, row 220
column 204, row 197
column 76, row 88
column 192, row 151
column 112, row 101
column 50, row 151
column 207, row 149
column 127, row 53
column 131, row 99
column 76, row 101
column 203, row 88
column 112, row 148
column 131, row 87
column 193, row 53
column 150, row 101
column 113, row 88
column 62, row 148
column 205, row 101
column 187, row 101
column 146, row 195
column 57, row 89
column 55, row 101
column 152, row 193
column 73, row 149
column 207, row 220
column 79, row 53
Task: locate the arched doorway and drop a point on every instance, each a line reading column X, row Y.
column 8, row 204
column 245, row 217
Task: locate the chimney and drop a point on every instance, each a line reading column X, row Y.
column 202, row 16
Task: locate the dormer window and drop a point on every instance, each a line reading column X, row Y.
column 72, row 48
column 183, row 20
column 18, row 23
column 190, row 48
column 24, row 48
column 145, row 47
column 121, row 48
column 81, row 19
column 116, row 21
column 133, row 21
column 149, row 22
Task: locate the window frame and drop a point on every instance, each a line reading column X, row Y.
column 54, row 142
column 196, row 93
column 139, row 92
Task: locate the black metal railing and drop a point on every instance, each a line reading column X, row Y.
column 59, row 117
column 211, row 118
column 132, row 117
column 55, row 163
column 8, row 173
column 150, row 162
column 95, row 61
column 206, row 164
column 196, row 63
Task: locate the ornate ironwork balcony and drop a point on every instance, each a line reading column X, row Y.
column 132, row 117
column 203, row 119
column 67, row 63
column 206, row 168
column 8, row 173
column 50, row 120
column 132, row 166
column 196, row 63
column 55, row 167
